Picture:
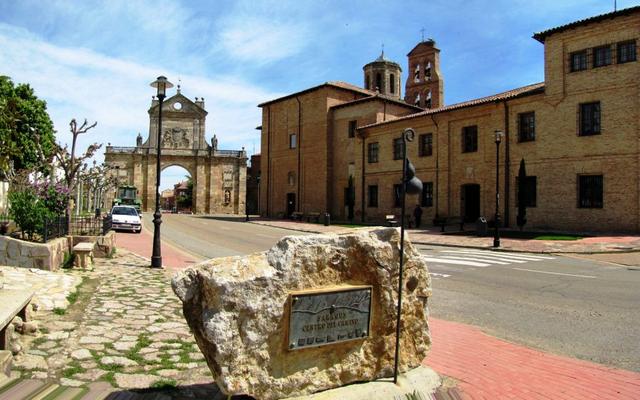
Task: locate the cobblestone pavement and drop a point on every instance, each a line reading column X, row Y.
column 51, row 288
column 126, row 329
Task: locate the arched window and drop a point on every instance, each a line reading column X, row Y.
column 427, row 101
column 379, row 81
column 392, row 83
column 367, row 84
column 416, row 73
column 417, row 102
column 427, row 71
column 291, row 178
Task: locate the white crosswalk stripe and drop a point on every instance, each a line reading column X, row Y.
column 448, row 262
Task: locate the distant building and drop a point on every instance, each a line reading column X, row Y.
column 168, row 200
column 253, row 185
column 577, row 132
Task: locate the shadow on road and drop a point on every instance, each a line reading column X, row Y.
column 188, row 392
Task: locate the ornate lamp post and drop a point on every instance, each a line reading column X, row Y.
column 161, row 84
column 496, row 233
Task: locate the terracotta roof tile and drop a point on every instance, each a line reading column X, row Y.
column 336, row 84
column 509, row 94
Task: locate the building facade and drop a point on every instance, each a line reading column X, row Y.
column 219, row 176
column 577, row 132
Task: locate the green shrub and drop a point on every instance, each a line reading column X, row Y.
column 28, row 211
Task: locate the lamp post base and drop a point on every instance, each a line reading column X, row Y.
column 156, row 258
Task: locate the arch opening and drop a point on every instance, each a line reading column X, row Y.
column 176, row 190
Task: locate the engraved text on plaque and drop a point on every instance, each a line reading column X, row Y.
column 324, row 318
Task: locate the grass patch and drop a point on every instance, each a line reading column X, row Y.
column 67, row 261
column 59, row 311
column 38, row 341
column 44, row 330
column 134, row 352
column 73, row 297
column 558, row 237
column 160, row 320
column 73, row 368
column 164, row 384
column 110, row 377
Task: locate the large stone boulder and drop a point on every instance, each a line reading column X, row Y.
column 239, row 310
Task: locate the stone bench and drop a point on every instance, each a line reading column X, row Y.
column 445, row 221
column 12, row 303
column 313, row 216
column 83, row 255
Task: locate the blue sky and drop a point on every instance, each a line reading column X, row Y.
column 95, row 60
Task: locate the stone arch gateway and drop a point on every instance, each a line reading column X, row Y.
column 219, row 176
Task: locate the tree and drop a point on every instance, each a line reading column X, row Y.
column 67, row 161
column 27, row 137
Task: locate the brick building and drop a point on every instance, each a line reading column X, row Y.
column 578, row 132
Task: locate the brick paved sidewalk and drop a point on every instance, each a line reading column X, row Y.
column 598, row 244
column 142, row 245
column 489, row 368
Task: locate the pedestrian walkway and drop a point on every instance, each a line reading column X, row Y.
column 433, row 236
column 489, row 368
column 142, row 244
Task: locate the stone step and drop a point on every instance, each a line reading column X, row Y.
column 6, row 361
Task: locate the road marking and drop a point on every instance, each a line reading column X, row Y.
column 264, row 236
column 517, row 256
column 459, row 262
column 481, row 258
column 438, row 275
column 555, row 273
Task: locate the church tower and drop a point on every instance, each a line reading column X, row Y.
column 383, row 75
column 424, row 87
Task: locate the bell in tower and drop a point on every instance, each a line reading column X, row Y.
column 383, row 76
column 425, row 86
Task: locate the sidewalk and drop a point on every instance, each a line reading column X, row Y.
column 433, row 236
column 142, row 245
column 489, row 368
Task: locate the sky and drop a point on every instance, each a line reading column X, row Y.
column 95, row 59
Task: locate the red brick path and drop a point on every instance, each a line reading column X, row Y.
column 490, row 368
column 142, row 244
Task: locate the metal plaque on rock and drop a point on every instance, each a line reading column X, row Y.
column 327, row 317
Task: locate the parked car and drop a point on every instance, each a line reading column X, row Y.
column 125, row 218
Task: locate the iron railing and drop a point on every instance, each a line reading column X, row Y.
column 56, row 227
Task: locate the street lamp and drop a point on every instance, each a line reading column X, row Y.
column 496, row 233
column 161, row 84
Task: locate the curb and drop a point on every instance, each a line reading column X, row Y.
column 466, row 246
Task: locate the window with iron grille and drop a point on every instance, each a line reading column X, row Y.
column 626, row 51
column 530, row 191
column 469, row 139
column 352, row 128
column 589, row 119
column 292, row 141
column 590, row 191
column 426, row 145
column 397, row 149
column 527, row 127
column 397, row 196
column 373, row 152
column 578, row 60
column 373, row 196
column 601, row 56
column 426, row 199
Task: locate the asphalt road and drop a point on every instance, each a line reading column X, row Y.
column 588, row 308
column 208, row 237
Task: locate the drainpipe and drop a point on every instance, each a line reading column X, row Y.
column 268, row 161
column 362, row 199
column 433, row 118
column 299, row 146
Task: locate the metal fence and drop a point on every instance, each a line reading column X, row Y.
column 80, row 226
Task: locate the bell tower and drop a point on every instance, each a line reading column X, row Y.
column 425, row 86
column 383, row 76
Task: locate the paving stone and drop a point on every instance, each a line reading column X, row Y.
column 81, row 354
column 168, row 373
column 71, row 382
column 124, row 346
column 114, row 360
column 31, row 362
column 90, row 376
column 57, row 335
column 93, row 340
column 47, row 345
column 132, row 381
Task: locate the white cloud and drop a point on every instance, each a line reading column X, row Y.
column 79, row 83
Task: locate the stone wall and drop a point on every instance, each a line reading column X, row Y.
column 103, row 245
column 19, row 253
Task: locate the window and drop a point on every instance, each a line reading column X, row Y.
column 426, row 199
column 352, row 128
column 397, row 195
column 469, row 139
column 590, row 191
column 367, row 85
column 427, row 71
column 426, row 145
column 527, row 127
column 416, row 73
column 378, row 82
column 373, row 196
column 427, row 100
column 529, row 191
column 397, row 149
column 601, row 56
column 373, row 152
column 291, row 178
column 392, row 83
column 578, row 60
column 417, row 101
column 292, row 141
column 589, row 119
column 626, row 52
